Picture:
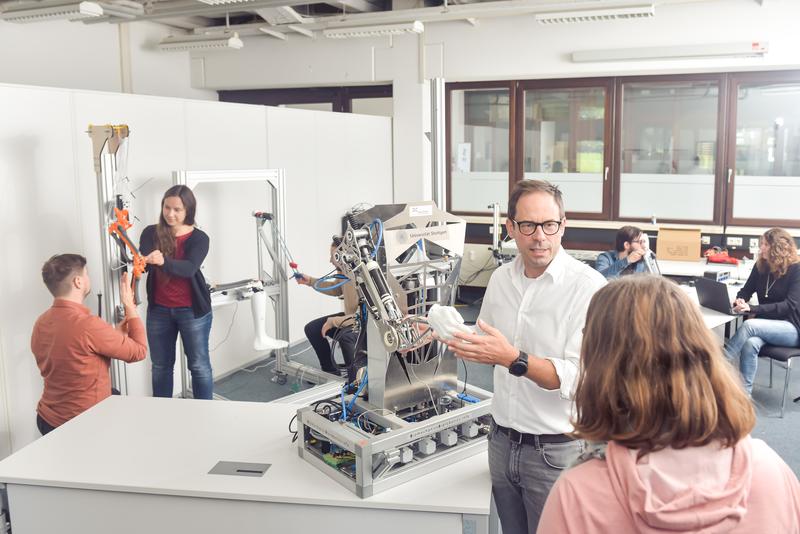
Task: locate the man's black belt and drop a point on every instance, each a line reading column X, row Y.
column 532, row 439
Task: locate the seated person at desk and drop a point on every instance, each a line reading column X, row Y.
column 338, row 326
column 73, row 348
column 679, row 456
column 776, row 280
column 627, row 256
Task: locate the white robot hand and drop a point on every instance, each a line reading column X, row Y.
column 446, row 321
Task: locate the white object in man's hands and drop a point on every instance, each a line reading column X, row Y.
column 446, row 321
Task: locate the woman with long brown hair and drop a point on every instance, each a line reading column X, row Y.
column 776, row 281
column 655, row 386
column 178, row 300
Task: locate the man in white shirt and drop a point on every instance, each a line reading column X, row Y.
column 532, row 319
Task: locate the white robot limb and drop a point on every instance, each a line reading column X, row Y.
column 223, row 294
column 263, row 341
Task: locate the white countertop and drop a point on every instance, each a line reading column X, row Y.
column 167, row 447
column 713, row 318
column 697, row 268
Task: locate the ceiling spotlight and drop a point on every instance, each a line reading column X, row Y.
column 221, row 41
column 374, row 31
column 41, row 11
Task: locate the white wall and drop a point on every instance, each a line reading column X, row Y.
column 93, row 56
column 333, row 161
column 49, row 205
column 503, row 48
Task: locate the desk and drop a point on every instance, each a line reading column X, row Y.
column 693, row 269
column 713, row 318
column 131, row 465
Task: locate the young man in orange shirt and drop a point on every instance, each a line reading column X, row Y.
column 73, row 348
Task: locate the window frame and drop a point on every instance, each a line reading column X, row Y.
column 735, row 79
column 458, row 86
column 720, row 154
column 608, row 165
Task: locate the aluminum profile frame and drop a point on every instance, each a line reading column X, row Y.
column 371, row 450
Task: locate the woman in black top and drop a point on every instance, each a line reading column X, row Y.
column 776, row 281
column 177, row 295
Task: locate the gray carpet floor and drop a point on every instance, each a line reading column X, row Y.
column 255, row 384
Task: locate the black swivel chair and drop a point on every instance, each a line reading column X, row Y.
column 780, row 354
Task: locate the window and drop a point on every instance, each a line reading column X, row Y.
column 668, row 149
column 372, row 100
column 478, row 148
column 764, row 184
column 564, row 141
column 372, row 106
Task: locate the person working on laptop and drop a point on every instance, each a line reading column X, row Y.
column 627, row 256
column 776, row 281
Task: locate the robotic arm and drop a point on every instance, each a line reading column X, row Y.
column 118, row 230
column 356, row 255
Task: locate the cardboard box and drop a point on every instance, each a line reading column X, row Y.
column 678, row 244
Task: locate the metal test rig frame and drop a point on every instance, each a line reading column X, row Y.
column 109, row 156
column 408, row 414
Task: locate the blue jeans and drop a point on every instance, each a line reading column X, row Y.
column 163, row 326
column 522, row 476
column 754, row 334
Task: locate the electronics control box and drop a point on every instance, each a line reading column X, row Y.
column 718, row 276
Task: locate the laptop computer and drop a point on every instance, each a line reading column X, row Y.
column 714, row 296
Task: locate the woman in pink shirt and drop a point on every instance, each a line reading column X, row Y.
column 655, row 386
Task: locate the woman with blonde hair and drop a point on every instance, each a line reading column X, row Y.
column 679, row 458
column 776, row 281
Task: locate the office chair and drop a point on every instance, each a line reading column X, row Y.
column 780, row 354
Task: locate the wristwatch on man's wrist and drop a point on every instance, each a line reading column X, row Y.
column 519, row 366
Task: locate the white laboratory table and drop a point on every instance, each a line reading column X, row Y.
column 713, row 318
column 697, row 268
column 131, row 465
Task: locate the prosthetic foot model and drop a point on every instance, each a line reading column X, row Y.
column 262, row 341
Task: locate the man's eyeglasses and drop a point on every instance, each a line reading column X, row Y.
column 529, row 227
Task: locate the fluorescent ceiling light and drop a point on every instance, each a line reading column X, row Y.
column 223, row 2
column 272, row 33
column 202, row 42
column 640, row 11
column 374, row 31
column 743, row 49
column 126, row 9
column 41, row 11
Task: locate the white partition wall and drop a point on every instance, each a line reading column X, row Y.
column 49, row 204
column 38, row 215
column 333, row 161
